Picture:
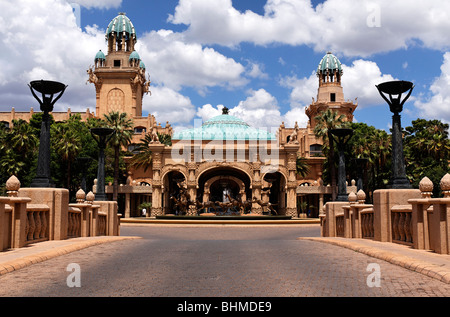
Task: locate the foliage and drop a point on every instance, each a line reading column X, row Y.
column 123, row 133
column 325, row 121
column 143, row 157
column 427, row 150
column 302, row 167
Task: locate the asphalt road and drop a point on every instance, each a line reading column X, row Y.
column 218, row 261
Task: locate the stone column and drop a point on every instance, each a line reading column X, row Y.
column 291, row 203
column 127, row 206
column 157, row 150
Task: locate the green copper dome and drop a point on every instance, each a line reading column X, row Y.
column 224, row 127
column 142, row 65
column 135, row 55
column 100, row 55
column 329, row 63
column 119, row 25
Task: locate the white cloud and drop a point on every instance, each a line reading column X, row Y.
column 167, row 104
column 40, row 40
column 296, row 114
column 437, row 106
column 207, row 112
column 176, row 64
column 260, row 110
column 356, row 28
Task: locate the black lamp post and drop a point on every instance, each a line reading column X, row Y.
column 395, row 89
column 101, row 136
column 341, row 137
column 83, row 164
column 360, row 166
column 48, row 89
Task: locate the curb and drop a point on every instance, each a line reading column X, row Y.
column 419, row 266
column 218, row 221
column 13, row 265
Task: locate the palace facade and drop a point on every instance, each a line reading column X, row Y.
column 220, row 160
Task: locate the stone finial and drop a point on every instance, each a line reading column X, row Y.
column 361, row 196
column 426, row 187
column 353, row 182
column 90, row 197
column 445, row 185
column 12, row 186
column 80, row 195
column 352, row 198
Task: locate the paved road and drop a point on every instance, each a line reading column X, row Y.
column 222, row 261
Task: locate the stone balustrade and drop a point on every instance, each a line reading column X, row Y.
column 411, row 217
column 32, row 215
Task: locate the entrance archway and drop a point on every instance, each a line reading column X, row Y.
column 172, row 180
column 274, row 191
column 212, row 184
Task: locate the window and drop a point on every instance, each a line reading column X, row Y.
column 139, row 130
column 315, row 150
column 117, row 63
column 333, row 97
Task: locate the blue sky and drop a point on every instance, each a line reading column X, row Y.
column 257, row 57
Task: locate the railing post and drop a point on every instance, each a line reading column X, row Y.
column 19, row 213
column 3, row 201
column 93, row 214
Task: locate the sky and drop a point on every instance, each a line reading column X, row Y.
column 256, row 57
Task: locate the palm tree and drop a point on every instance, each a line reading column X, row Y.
column 123, row 128
column 326, row 121
column 68, row 146
column 302, row 166
column 144, row 157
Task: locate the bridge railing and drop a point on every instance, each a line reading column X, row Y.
column 35, row 215
column 409, row 217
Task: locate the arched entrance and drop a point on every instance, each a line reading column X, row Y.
column 274, row 191
column 221, row 183
column 172, row 182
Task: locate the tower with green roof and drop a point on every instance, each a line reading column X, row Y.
column 119, row 76
column 330, row 94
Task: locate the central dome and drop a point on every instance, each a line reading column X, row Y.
column 224, row 127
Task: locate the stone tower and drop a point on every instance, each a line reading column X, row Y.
column 119, row 77
column 330, row 94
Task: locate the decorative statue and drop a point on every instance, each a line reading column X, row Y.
column 294, row 136
column 265, row 204
column 147, row 86
column 92, row 77
column 154, row 135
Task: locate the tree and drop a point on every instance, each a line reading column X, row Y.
column 143, row 159
column 123, row 128
column 18, row 149
column 302, row 166
column 427, row 148
column 326, row 121
column 67, row 145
